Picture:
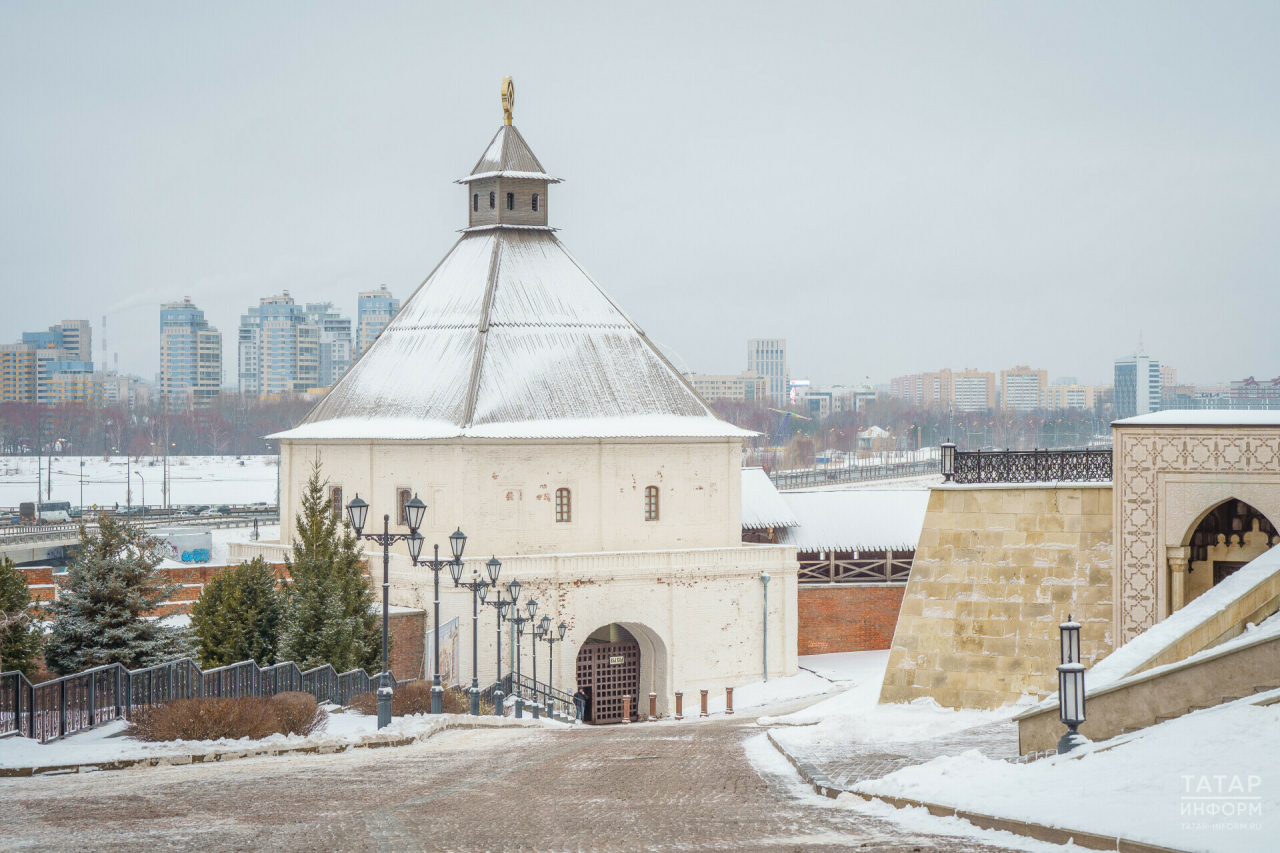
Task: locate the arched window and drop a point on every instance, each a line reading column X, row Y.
column 650, row 503
column 335, row 495
column 511, row 201
column 475, row 202
column 535, row 201
column 403, row 496
column 564, row 505
column 493, row 197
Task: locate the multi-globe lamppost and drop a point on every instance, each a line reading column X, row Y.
column 457, row 542
column 544, row 631
column 519, row 621
column 501, row 608
column 479, row 591
column 358, row 513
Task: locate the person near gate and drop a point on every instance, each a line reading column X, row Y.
column 580, row 700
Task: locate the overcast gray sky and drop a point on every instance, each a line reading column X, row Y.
column 892, row 187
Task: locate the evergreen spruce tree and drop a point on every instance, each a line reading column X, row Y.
column 20, row 633
column 112, row 583
column 238, row 616
column 330, row 615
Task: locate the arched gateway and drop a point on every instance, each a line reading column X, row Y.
column 1224, row 538
column 619, row 660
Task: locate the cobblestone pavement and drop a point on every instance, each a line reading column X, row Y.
column 664, row 787
column 846, row 762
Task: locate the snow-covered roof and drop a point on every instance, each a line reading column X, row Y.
column 855, row 519
column 508, row 156
column 1204, row 417
column 762, row 503
column 510, row 338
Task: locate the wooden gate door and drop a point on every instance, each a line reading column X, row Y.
column 611, row 670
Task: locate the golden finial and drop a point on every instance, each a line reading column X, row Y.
column 508, row 99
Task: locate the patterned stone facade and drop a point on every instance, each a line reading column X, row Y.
column 996, row 570
column 1167, row 480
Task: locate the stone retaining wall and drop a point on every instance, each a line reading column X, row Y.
column 996, row 570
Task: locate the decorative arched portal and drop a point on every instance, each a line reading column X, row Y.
column 1225, row 537
column 621, row 659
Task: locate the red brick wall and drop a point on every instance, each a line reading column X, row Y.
column 847, row 618
column 408, row 646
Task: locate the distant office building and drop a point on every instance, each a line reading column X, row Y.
column 797, row 389
column 374, row 310
column 1168, row 375
column 825, row 400
column 77, row 339
column 335, row 341
column 190, row 357
column 969, row 390
column 278, row 348
column 768, row 358
column 1137, row 385
column 1073, row 396
column 1266, row 393
column 747, row 386
column 1065, row 380
column 1022, row 389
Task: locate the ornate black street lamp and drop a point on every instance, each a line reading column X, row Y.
column 948, row 455
column 513, row 589
column 457, row 542
column 550, row 639
column 358, row 514
column 500, row 607
column 479, row 591
column 519, row 620
column 1070, row 686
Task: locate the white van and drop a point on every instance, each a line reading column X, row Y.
column 54, row 512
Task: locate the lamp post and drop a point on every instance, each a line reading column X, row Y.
column 500, row 606
column 948, row 455
column 519, row 620
column 551, row 639
column 358, row 513
column 765, row 577
column 513, row 590
column 457, row 542
column 479, row 592
column 1070, row 686
column 138, row 474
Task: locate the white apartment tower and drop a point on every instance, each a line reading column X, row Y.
column 279, row 348
column 190, row 357
column 768, row 358
column 374, row 310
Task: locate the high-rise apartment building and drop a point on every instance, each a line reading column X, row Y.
column 969, row 390
column 77, row 339
column 1168, row 375
column 374, row 310
column 335, row 341
column 18, row 373
column 279, row 348
column 767, row 357
column 128, row 392
column 1137, row 384
column 1022, row 389
column 190, row 357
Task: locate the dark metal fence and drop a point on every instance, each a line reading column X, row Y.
column 1033, row 466
column 809, row 477
column 531, row 689
column 73, row 703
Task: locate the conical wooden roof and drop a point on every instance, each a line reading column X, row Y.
column 510, row 338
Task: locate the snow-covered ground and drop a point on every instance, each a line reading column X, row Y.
column 819, row 674
column 1203, row 782
column 854, row 714
column 109, row 742
column 193, row 480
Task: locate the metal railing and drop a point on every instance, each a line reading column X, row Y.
column 810, row 477
column 1033, row 466
column 71, row 529
column 74, row 703
column 535, row 691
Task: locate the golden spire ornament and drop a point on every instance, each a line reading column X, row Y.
column 508, row 99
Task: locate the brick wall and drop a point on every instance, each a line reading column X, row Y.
column 408, row 642
column 847, row 617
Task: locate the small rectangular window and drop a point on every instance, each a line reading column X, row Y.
column 475, row 202
column 335, row 496
column 511, row 201
column 535, row 202
column 403, row 496
column 564, row 508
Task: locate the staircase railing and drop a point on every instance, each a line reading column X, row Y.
column 531, row 689
column 73, row 703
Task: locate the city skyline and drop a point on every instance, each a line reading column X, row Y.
column 1089, row 196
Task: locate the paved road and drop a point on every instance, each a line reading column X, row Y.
column 663, row 787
